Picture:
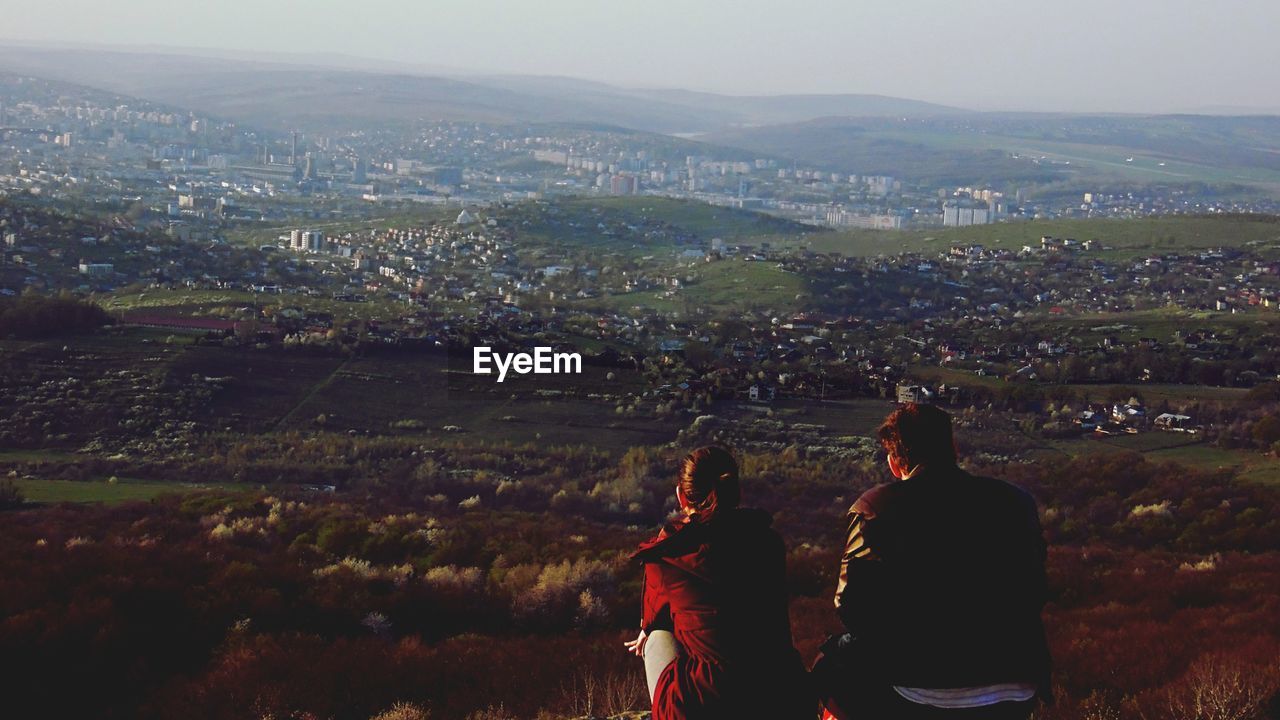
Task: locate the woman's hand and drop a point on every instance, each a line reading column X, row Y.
column 636, row 647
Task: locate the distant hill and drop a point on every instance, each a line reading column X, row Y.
column 1005, row 147
column 273, row 92
column 762, row 109
column 724, row 110
column 865, row 134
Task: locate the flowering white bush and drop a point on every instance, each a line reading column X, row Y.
column 366, row 570
column 239, row 526
column 1160, row 509
column 449, row 577
column 559, row 589
column 1202, row 565
column 356, row 566
column 403, row 711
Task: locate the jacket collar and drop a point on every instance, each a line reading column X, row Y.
column 928, row 474
column 684, row 536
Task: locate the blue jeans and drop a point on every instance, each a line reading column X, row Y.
column 852, row 692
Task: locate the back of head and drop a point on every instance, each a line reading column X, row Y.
column 709, row 481
column 919, row 436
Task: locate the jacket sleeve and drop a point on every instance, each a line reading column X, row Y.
column 860, row 572
column 1039, row 590
column 655, row 613
column 1040, row 555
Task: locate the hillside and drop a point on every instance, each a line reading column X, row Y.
column 309, row 92
column 1007, row 148
column 733, row 109
column 1120, row 237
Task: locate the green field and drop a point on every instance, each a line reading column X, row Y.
column 706, row 221
column 224, row 303
column 1175, row 447
column 1029, row 150
column 1252, row 466
column 39, row 457
column 722, row 286
column 1124, row 238
column 1160, row 323
column 1156, row 393
column 860, row 416
column 637, row 226
column 60, row 491
column 1151, row 392
column 1102, row 162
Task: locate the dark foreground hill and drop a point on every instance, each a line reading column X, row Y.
column 483, row 581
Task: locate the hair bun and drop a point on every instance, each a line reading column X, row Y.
column 709, row 480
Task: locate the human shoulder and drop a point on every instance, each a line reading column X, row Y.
column 876, row 500
column 1004, row 491
column 673, row 537
column 744, row 523
column 751, row 517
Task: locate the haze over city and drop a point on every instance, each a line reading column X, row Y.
column 1090, row 56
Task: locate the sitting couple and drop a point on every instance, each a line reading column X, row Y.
column 940, row 591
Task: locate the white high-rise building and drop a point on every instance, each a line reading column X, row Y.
column 957, row 216
column 306, row 240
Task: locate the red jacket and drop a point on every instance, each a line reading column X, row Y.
column 720, row 587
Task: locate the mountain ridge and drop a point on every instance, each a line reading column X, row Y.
column 282, row 94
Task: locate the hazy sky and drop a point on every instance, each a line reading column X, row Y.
column 1117, row 55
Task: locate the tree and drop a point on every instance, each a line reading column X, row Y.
column 10, row 495
column 1266, row 432
column 37, row 316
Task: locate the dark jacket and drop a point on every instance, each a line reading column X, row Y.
column 942, row 582
column 720, row 587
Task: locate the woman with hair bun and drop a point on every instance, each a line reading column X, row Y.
column 715, row 633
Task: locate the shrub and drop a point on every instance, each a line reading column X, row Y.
column 556, row 599
column 452, row 579
column 35, row 316
column 1222, row 686
column 403, row 711
column 10, row 495
column 493, row 712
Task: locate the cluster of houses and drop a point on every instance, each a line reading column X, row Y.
column 1130, row 419
column 482, row 276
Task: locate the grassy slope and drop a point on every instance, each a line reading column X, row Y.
column 577, row 224
column 205, row 303
column 724, row 286
column 1102, row 161
column 1160, row 323
column 59, row 491
column 981, row 149
column 1125, row 237
column 1185, row 450
column 705, row 220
